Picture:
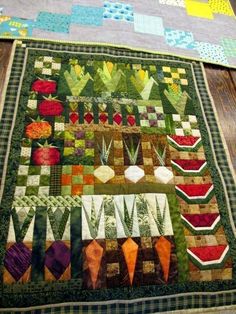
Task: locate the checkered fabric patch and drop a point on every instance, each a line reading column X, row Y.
column 47, row 65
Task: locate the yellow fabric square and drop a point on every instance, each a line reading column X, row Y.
column 169, row 80
column 199, row 9
column 183, row 82
column 221, row 7
column 175, row 75
column 166, row 69
column 181, row 71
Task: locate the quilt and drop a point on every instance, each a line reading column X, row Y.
column 116, row 193
column 198, row 29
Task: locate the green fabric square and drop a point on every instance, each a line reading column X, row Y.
column 21, row 181
column 88, row 189
column 69, row 135
column 174, row 70
column 88, row 170
column 152, row 116
column 80, row 143
column 67, row 169
column 89, row 135
column 34, row 170
column 44, row 180
column 68, row 151
column 78, row 179
column 89, row 152
column 66, row 190
column 32, row 190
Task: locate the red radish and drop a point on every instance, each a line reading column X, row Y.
column 46, row 155
column 44, row 86
column 50, row 107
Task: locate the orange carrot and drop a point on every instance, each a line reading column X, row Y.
column 94, row 253
column 130, row 250
column 163, row 249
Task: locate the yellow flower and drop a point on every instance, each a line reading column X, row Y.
column 141, row 74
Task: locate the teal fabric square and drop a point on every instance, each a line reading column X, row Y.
column 229, row 46
column 87, row 15
column 53, row 22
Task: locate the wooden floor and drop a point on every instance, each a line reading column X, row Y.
column 222, row 83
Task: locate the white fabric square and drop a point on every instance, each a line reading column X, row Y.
column 179, row 131
column 176, row 117
column 33, row 180
column 43, row 190
column 23, row 170
column 20, row 191
column 196, row 132
column 45, row 170
column 192, row 119
column 186, row 125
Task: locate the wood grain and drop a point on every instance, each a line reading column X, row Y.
column 222, row 83
column 5, row 51
column 223, row 90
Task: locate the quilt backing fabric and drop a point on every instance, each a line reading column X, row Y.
column 199, row 29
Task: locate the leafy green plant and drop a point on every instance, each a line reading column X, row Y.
column 160, row 153
column 132, row 151
column 160, row 218
column 127, row 219
column 76, row 79
column 104, row 151
column 176, row 97
column 94, row 221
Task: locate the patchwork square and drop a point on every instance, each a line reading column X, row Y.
column 148, row 24
column 53, row 22
column 15, row 26
column 199, row 9
column 87, row 15
column 33, row 180
column 79, row 144
column 118, row 11
column 229, row 46
column 174, row 75
column 221, row 7
column 213, row 53
column 185, row 125
column 77, row 180
column 179, row 38
column 151, row 116
column 47, row 65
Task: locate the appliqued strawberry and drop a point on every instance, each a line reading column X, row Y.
column 50, row 106
column 44, row 86
column 38, row 129
column 46, row 155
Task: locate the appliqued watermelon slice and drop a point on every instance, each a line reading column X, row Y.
column 201, row 222
column 198, row 193
column 189, row 166
column 208, row 255
column 189, row 143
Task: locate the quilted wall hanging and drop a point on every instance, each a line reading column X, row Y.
column 116, row 193
column 199, row 29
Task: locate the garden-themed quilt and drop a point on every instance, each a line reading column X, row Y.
column 116, row 193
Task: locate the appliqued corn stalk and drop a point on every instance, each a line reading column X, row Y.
column 160, row 153
column 143, row 83
column 110, row 76
column 132, row 150
column 94, row 250
column 104, row 151
column 129, row 247
column 176, row 97
column 162, row 245
column 76, row 79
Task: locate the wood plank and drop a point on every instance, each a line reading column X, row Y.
column 222, row 83
column 233, row 4
column 5, row 51
column 223, row 91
